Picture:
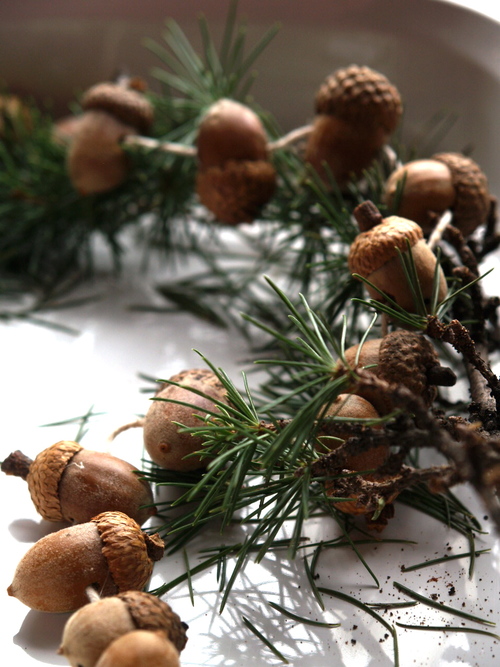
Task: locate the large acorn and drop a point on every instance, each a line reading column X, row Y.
column 112, row 111
column 375, row 256
column 164, row 440
column 91, row 629
column 235, row 177
column 70, row 483
column 357, row 110
column 399, row 358
column 110, row 554
column 422, row 190
column 140, row 648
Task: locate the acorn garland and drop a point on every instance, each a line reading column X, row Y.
column 374, row 392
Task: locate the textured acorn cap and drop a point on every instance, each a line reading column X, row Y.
column 127, row 105
column 373, row 248
column 129, row 551
column 360, row 96
column 472, row 198
column 151, row 613
column 236, row 192
column 44, row 476
column 405, row 357
column 140, row 648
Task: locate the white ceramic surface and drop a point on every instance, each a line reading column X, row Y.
column 440, row 56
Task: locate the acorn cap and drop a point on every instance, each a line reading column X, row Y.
column 472, row 198
column 360, row 96
column 44, row 476
column 236, row 192
column 129, row 551
column 373, row 248
column 151, row 613
column 405, row 357
column 127, row 105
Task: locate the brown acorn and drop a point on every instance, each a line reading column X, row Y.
column 400, row 358
column 374, row 255
column 235, row 177
column 69, row 483
column 140, row 648
column 447, row 181
column 352, row 406
column 91, row 629
column 357, row 110
column 112, row 111
column 110, row 554
column 165, row 443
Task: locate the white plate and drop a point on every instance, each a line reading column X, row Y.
column 441, row 57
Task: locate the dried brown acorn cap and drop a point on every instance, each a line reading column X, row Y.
column 91, row 629
column 109, row 554
column 374, row 256
column 237, row 191
column 125, row 104
column 44, row 476
column 472, row 197
column 230, row 131
column 140, row 648
column 362, row 97
column 129, row 551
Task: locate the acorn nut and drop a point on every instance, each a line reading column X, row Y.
column 96, row 161
column 140, row 648
column 422, row 190
column 357, row 110
column 374, row 255
column 235, row 177
column 110, row 554
column 91, row 629
column 164, row 441
column 69, row 483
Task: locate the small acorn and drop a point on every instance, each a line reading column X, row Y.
column 91, row 629
column 400, row 358
column 69, row 483
column 235, row 177
column 112, row 111
column 110, row 554
column 446, row 181
column 140, row 648
column 357, row 110
column 165, row 443
column 15, row 116
column 352, row 406
column 374, row 255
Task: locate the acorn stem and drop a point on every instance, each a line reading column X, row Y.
column 17, row 464
column 367, row 216
column 438, row 231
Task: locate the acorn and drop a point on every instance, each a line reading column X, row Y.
column 164, row 441
column 400, row 358
column 235, row 177
column 15, row 116
column 69, row 483
column 91, row 629
column 352, row 406
column 446, row 181
column 112, row 111
column 374, row 255
column 110, row 554
column 357, row 110
column 140, row 648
